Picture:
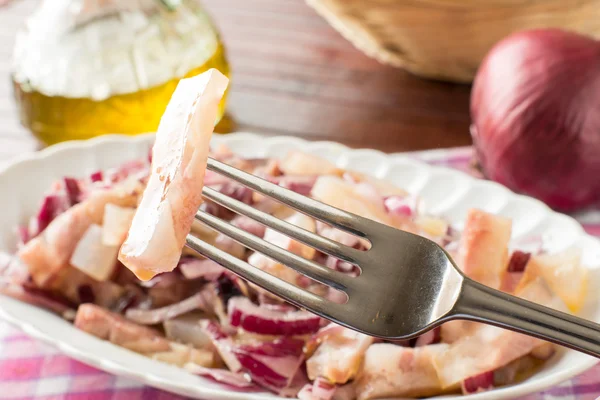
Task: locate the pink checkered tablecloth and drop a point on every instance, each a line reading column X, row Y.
column 32, row 370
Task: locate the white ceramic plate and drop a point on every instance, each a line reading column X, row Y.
column 445, row 192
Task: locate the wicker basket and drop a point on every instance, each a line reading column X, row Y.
column 447, row 39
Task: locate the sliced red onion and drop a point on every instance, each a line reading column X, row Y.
column 273, row 365
column 52, row 206
column 478, row 383
column 249, row 225
column 237, row 380
column 320, row 389
column 193, row 268
column 432, row 337
column 518, row 261
column 402, row 206
column 199, row 301
column 96, row 176
column 72, row 189
column 222, row 343
column 252, row 318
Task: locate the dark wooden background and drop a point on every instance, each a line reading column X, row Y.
column 295, row 75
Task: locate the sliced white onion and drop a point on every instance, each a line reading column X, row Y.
column 186, row 329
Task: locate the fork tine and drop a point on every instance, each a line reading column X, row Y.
column 311, row 269
column 319, row 242
column 331, row 215
column 289, row 292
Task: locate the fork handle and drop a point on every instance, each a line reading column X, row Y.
column 484, row 304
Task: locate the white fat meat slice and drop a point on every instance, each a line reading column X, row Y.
column 263, row 262
column 564, row 274
column 285, row 273
column 117, row 221
column 279, row 239
column 483, row 251
column 344, row 195
column 93, row 257
column 300, row 163
column 174, row 191
column 340, row 236
column 453, row 331
column 395, row 371
column 383, row 187
column 488, row 347
column 339, row 356
column 51, row 251
column 112, row 327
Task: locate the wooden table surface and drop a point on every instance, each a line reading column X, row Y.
column 295, row 75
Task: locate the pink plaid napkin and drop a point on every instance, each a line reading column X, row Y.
column 32, row 370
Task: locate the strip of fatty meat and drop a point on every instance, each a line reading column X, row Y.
column 174, row 192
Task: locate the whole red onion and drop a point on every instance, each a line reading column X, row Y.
column 535, row 107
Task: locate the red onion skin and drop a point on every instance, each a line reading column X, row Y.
column 518, row 261
column 535, row 107
column 478, row 383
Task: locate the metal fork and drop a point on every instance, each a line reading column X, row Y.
column 407, row 286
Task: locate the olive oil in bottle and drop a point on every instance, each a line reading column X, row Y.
column 83, row 68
